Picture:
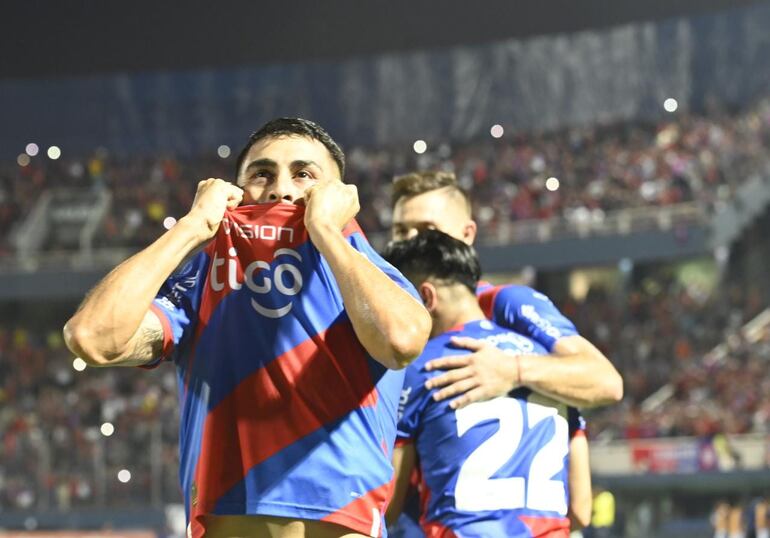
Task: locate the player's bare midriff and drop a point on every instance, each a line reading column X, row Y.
column 274, row 527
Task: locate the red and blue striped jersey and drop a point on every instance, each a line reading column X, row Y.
column 526, row 311
column 283, row 412
column 492, row 469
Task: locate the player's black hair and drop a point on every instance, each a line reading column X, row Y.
column 434, row 254
column 294, row 127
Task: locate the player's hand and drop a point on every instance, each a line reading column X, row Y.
column 212, row 198
column 330, row 205
column 486, row 373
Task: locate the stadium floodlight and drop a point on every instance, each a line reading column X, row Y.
column 23, row 159
column 497, row 131
column 670, row 104
column 79, row 364
column 169, row 222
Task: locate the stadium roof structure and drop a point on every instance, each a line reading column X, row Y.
column 50, row 38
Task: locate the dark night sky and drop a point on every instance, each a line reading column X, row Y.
column 47, row 38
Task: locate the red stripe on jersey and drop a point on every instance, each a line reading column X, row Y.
column 168, row 333
column 168, row 338
column 351, row 228
column 487, row 300
column 547, row 527
column 359, row 514
column 316, row 383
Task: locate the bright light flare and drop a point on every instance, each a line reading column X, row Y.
column 552, row 184
column 107, row 429
column 223, row 151
column 420, row 147
column 54, row 152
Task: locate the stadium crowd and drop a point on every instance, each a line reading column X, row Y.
column 663, row 334
column 599, row 168
column 54, row 452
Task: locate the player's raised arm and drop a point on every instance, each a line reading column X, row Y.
column 114, row 325
column 391, row 324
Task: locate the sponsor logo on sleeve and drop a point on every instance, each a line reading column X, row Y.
column 403, row 400
column 528, row 311
column 538, row 295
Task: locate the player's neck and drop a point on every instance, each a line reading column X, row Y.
column 457, row 312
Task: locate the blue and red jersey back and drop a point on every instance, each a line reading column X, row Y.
column 494, row 468
column 283, row 412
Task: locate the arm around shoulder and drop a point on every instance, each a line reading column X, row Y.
column 608, row 388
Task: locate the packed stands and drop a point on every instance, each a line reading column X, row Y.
column 599, row 169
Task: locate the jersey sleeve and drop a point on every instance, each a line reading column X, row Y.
column 359, row 242
column 177, row 303
column 576, row 422
column 526, row 311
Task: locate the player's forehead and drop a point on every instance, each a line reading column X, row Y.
column 434, row 206
column 284, row 150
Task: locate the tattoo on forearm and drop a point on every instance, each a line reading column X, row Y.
column 149, row 344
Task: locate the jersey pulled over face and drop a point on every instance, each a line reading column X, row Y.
column 494, row 468
column 283, row 413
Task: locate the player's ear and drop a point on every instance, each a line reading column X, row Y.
column 469, row 232
column 428, row 295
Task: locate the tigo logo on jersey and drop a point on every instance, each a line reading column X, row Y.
column 285, row 279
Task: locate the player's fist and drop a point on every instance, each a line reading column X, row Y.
column 212, row 198
column 330, row 205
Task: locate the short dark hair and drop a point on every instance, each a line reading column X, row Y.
column 294, row 127
column 416, row 183
column 434, row 254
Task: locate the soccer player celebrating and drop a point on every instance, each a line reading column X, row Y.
column 490, row 469
column 574, row 371
column 288, row 333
